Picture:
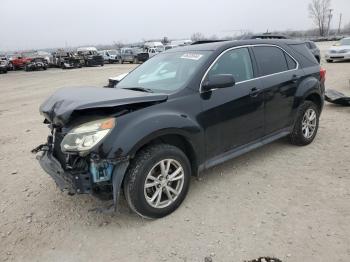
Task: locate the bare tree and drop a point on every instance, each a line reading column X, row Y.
column 197, row 37
column 318, row 11
column 118, row 44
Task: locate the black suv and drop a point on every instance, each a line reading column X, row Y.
column 183, row 111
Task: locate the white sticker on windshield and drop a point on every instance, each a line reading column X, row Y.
column 191, row 56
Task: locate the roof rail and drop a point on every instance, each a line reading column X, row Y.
column 206, row 42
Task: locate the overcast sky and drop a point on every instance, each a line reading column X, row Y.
column 35, row 24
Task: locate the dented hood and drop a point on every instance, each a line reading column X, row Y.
column 59, row 107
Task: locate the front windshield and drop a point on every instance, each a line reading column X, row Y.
column 128, row 51
column 345, row 41
column 112, row 52
column 166, row 72
column 160, row 48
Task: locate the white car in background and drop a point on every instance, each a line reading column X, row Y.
column 110, row 56
column 340, row 51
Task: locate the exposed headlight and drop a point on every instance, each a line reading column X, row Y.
column 87, row 135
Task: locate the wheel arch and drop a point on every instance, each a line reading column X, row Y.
column 315, row 98
column 171, row 137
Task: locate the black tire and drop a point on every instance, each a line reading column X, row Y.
column 297, row 137
column 329, row 60
column 138, row 170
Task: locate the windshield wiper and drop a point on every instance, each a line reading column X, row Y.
column 142, row 89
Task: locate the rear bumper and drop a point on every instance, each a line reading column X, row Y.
column 338, row 56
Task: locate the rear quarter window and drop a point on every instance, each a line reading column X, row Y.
column 303, row 51
column 271, row 60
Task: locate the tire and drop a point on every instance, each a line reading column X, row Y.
column 300, row 136
column 329, row 61
column 141, row 170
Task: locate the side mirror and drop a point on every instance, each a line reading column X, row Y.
column 218, row 81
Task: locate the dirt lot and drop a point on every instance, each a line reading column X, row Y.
column 280, row 200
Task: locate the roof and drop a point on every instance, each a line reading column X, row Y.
column 228, row 44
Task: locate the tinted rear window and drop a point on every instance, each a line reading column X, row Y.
column 271, row 60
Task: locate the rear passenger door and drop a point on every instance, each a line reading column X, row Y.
column 280, row 76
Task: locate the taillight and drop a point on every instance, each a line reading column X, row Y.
column 322, row 74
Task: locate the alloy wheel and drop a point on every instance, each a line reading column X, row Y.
column 164, row 183
column 309, row 123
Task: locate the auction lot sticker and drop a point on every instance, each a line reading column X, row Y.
column 191, row 56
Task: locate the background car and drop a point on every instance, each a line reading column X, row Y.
column 127, row 55
column 65, row 60
column 3, row 66
column 19, row 62
column 37, row 63
column 7, row 62
column 110, row 56
column 340, row 51
column 90, row 56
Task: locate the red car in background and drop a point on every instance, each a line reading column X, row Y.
column 18, row 62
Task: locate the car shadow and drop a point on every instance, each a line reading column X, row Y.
column 99, row 212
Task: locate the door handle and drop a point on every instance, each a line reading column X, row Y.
column 254, row 92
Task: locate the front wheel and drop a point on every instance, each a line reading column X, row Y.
column 157, row 181
column 306, row 125
column 329, row 60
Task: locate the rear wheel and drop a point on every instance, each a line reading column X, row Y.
column 157, row 181
column 306, row 125
column 329, row 60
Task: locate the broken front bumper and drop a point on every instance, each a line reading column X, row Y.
column 77, row 181
column 67, row 181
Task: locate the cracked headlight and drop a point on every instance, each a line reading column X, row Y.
column 84, row 137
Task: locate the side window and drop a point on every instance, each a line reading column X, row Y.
column 290, row 61
column 236, row 62
column 271, row 60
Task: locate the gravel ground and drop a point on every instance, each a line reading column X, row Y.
column 284, row 201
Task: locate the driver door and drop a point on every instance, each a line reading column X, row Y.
column 233, row 116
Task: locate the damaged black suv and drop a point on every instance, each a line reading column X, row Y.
column 183, row 111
